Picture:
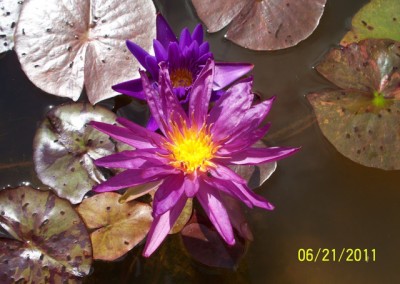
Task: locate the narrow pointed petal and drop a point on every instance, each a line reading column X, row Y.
column 226, row 73
column 125, row 179
column 225, row 173
column 201, row 93
column 152, row 66
column 131, row 88
column 141, row 131
column 255, row 156
column 160, row 52
column 165, row 35
column 169, row 192
column 139, row 53
column 204, row 48
column 191, row 185
column 132, row 159
column 211, row 202
column 185, row 39
column 162, row 225
column 152, row 124
column 197, row 34
column 122, row 134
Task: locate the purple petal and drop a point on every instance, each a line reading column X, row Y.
column 224, row 173
column 200, row 94
column 185, row 39
column 131, row 88
column 138, row 52
column 228, row 111
column 122, row 134
column 133, row 159
column 152, row 124
column 168, row 194
column 130, row 178
column 162, row 225
column 197, row 34
column 226, row 73
column 174, row 55
column 204, row 48
column 160, row 51
column 141, row 131
column 211, row 202
column 152, row 66
column 165, row 35
column 191, row 185
column 255, row 156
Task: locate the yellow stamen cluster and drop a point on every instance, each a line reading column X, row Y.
column 181, row 77
column 190, row 148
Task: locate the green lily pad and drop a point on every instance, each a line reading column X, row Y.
column 377, row 19
column 361, row 118
column 183, row 218
column 119, row 226
column 50, row 242
column 65, row 147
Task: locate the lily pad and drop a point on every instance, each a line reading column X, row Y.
column 183, row 218
column 261, row 24
column 65, row 148
column 9, row 11
column 361, row 117
column 377, row 19
column 63, row 46
column 207, row 247
column 119, row 226
column 51, row 243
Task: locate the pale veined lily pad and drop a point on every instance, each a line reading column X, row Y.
column 377, row 19
column 9, row 13
column 119, row 226
column 362, row 117
column 50, row 242
column 65, row 45
column 261, row 24
column 65, row 148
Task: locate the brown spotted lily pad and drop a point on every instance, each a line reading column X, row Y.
column 262, row 24
column 377, row 19
column 65, row 148
column 50, row 243
column 63, row 46
column 9, row 13
column 361, row 118
column 119, row 226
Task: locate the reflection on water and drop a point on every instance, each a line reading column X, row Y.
column 322, row 199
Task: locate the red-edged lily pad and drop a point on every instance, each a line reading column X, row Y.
column 377, row 19
column 261, row 24
column 361, row 118
column 50, row 242
column 65, row 148
column 9, row 11
column 65, row 46
column 119, row 226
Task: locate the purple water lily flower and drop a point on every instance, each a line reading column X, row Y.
column 192, row 155
column 184, row 59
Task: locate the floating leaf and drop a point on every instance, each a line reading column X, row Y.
column 51, row 243
column 261, row 24
column 361, row 119
column 184, row 217
column 64, row 149
column 207, row 247
column 65, row 45
column 119, row 226
column 139, row 190
column 10, row 10
column 377, row 19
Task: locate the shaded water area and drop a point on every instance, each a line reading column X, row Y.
column 322, row 199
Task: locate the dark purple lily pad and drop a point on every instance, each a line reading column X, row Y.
column 65, row 147
column 119, row 226
column 65, row 46
column 361, row 118
column 207, row 247
column 51, row 243
column 261, row 24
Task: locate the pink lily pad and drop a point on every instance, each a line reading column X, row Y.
column 65, row 148
column 361, row 117
column 63, row 46
column 261, row 24
column 9, row 13
column 119, row 226
column 50, row 243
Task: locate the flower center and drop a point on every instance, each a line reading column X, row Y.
column 190, row 148
column 181, row 77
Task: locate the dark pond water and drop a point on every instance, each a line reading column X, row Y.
column 322, row 199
